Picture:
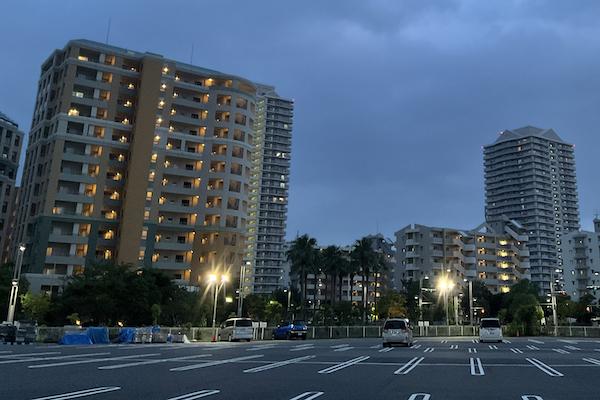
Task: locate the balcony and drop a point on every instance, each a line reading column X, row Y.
column 174, row 246
column 171, row 265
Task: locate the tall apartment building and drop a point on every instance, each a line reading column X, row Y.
column 530, row 178
column 11, row 139
column 580, row 253
column 266, row 268
column 496, row 255
column 137, row 159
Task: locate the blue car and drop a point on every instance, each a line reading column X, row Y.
column 290, row 330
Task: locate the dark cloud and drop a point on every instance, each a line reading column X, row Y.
column 394, row 99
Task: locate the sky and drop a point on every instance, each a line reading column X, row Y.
column 394, row 99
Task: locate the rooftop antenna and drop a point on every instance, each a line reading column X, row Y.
column 192, row 55
column 107, row 31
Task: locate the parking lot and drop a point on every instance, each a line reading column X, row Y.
column 433, row 368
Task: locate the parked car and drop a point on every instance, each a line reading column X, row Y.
column 8, row 333
column 397, row 331
column 490, row 330
column 235, row 329
column 290, row 330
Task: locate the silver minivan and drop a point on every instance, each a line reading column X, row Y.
column 490, row 330
column 397, row 331
column 235, row 329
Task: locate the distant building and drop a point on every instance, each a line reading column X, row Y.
column 11, row 139
column 580, row 252
column 495, row 254
column 530, row 178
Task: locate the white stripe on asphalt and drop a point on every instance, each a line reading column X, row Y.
column 567, row 341
column 195, row 395
column 278, row 364
column 472, row 350
column 95, row 360
column 535, row 341
column 24, row 360
column 375, row 347
column 339, row 346
column 531, row 347
column 386, row 349
column 475, row 341
column 343, row 365
column 47, row 353
column 307, row 396
column 561, row 351
column 304, row 347
column 506, row 341
column 572, row 348
column 493, row 347
column 409, row 366
column 530, row 397
column 148, row 362
column 80, row 393
column 544, row 367
column 476, row 367
column 444, row 341
column 592, row 360
column 516, row 351
column 415, row 346
column 428, row 350
column 453, row 347
column 420, row 396
column 344, row 348
column 215, row 363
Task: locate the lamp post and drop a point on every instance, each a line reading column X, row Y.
column 14, row 289
column 445, row 285
column 241, row 292
column 289, row 298
column 553, row 301
column 213, row 280
column 470, row 282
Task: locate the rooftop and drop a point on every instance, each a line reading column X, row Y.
column 528, row 131
column 4, row 117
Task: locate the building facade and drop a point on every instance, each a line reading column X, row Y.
column 11, row 139
column 580, row 252
column 495, row 255
column 530, row 178
column 266, row 268
column 138, row 159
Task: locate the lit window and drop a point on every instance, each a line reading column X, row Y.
column 73, row 112
column 148, row 195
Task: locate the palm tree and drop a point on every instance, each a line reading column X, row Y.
column 331, row 262
column 345, row 268
column 364, row 257
column 303, row 257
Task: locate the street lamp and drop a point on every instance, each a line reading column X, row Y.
column 241, row 290
column 553, row 300
column 289, row 298
column 445, row 285
column 14, row 289
column 470, row 300
column 213, row 279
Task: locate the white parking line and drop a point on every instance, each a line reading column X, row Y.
column 476, row 367
column 214, row 363
column 453, row 347
column 506, row 341
column 472, row 350
column 94, row 360
column 535, row 341
column 420, row 396
column 4, row 352
column 307, row 396
column 344, row 348
column 516, row 351
column 409, row 366
column 343, row 365
column 47, row 353
column 339, row 346
column 195, row 395
column 475, row 340
column 544, row 367
column 24, row 360
column 561, row 351
column 148, row 362
column 415, row 346
column 80, row 393
column 531, row 347
column 428, row 350
column 303, row 347
column 386, row 349
column 572, row 348
column 530, row 397
column 278, row 364
column 375, row 347
column 444, row 341
column 493, row 347
column 567, row 341
column 592, row 360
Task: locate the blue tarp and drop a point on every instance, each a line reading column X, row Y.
column 126, row 335
column 98, row 335
column 75, row 338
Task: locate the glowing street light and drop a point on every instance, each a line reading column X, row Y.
column 213, row 279
column 445, row 285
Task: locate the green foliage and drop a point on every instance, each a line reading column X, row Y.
column 273, row 312
column 35, row 306
column 392, row 304
column 304, row 258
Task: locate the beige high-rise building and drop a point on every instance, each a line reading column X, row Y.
column 11, row 139
column 137, row 159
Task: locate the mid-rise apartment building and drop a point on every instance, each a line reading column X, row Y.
column 580, row 252
column 496, row 255
column 266, row 268
column 138, row 159
column 11, row 139
column 530, row 178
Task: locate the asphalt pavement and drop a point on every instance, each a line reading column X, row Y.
column 432, row 369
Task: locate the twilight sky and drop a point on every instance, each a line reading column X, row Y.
column 394, row 98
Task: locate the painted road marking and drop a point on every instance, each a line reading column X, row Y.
column 531, row 347
column 535, row 341
column 572, row 348
column 506, row 341
column 23, row 360
column 476, row 367
column 409, row 366
column 475, row 340
column 195, row 395
column 303, row 347
column 385, row 350
column 278, row 364
column 453, row 347
column 428, row 350
column 561, row 351
column 415, row 346
column 567, row 341
column 148, row 362
column 80, row 393
column 530, row 397
column 375, row 347
column 544, row 367
column 95, row 360
column 344, row 348
column 444, row 341
column 47, row 353
column 592, row 360
column 516, row 351
column 307, row 396
column 493, row 347
column 214, row 363
column 472, row 350
column 343, row 365
column 420, row 396
column 338, row 346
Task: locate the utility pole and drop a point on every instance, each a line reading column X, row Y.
column 14, row 289
column 553, row 300
column 241, row 291
column 471, row 302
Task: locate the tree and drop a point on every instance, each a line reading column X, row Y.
column 303, row 257
column 273, row 312
column 482, row 298
column 364, row 257
column 35, row 306
column 392, row 304
column 254, row 306
column 332, row 261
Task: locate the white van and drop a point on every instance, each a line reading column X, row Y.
column 490, row 330
column 397, row 330
column 236, row 329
